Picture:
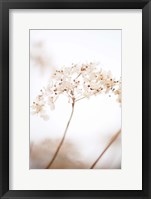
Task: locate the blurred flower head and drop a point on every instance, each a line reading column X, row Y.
column 40, row 58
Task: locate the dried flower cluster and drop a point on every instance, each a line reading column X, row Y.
column 76, row 82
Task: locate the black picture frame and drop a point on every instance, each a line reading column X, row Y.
column 5, row 5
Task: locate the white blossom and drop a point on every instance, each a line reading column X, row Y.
column 76, row 82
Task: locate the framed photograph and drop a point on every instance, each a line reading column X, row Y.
column 75, row 99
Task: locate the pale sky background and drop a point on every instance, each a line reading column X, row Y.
column 95, row 120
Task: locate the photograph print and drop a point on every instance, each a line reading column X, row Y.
column 75, row 98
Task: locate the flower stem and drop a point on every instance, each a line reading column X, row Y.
column 80, row 99
column 63, row 138
column 106, row 148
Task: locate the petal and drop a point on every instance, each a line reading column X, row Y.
column 44, row 117
column 52, row 106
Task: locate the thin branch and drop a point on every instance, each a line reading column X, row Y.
column 90, row 95
column 63, row 138
column 106, row 148
column 79, row 99
column 77, row 76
